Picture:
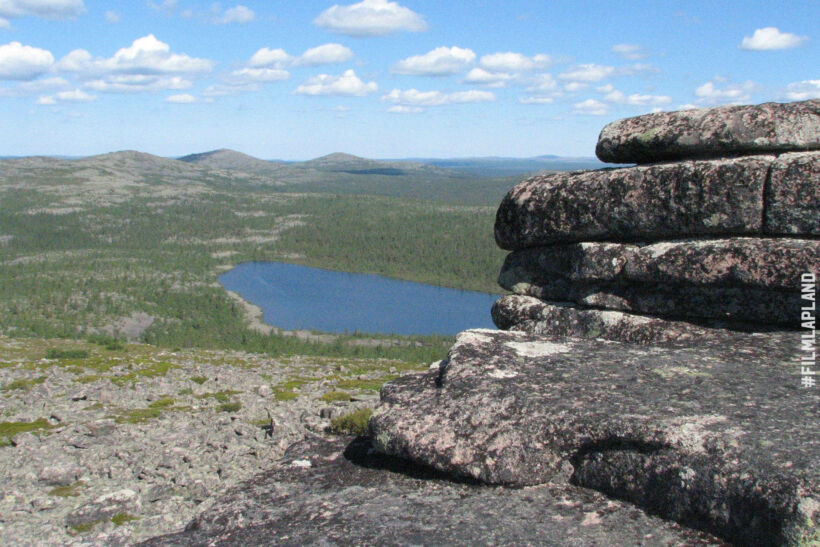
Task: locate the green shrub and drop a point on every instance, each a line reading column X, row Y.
column 55, row 353
column 230, row 407
column 354, row 423
column 333, row 396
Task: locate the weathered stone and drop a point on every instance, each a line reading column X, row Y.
column 706, row 302
column 662, row 201
column 534, row 316
column 772, row 263
column 713, row 132
column 793, row 195
column 716, row 435
column 342, row 493
column 104, row 507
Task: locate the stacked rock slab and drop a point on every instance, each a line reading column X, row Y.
column 719, row 236
column 614, row 369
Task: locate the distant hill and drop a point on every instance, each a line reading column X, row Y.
column 231, row 159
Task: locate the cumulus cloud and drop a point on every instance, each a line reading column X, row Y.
column 631, row 52
column 145, row 55
column 182, row 98
column 238, row 14
column 709, row 94
column 486, row 77
column 414, row 97
column 588, row 73
column 442, row 61
column 590, row 107
column 137, row 83
column 246, row 76
column 48, row 9
column 635, row 99
column 370, row 18
column 346, row 84
column 19, row 62
column 401, row 109
column 112, row 16
column 770, row 38
column 536, row 99
column 266, row 57
column 803, row 91
column 514, row 62
column 325, row 55
column 70, row 96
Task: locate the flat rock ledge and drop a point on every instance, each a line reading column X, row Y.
column 747, row 196
column 539, row 317
column 718, row 435
column 339, row 492
column 702, row 133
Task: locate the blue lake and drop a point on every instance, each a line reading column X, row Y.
column 298, row 297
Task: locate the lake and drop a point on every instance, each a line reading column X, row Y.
column 298, row 297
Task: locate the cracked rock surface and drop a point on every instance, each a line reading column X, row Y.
column 718, row 435
column 339, row 492
column 703, row 133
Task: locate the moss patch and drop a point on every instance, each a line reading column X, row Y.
column 333, row 396
column 123, row 518
column 69, row 491
column 23, row 384
column 10, row 429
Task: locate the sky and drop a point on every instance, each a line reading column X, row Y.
column 295, row 80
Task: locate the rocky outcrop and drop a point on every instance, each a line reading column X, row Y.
column 706, row 133
column 342, row 493
column 648, row 353
column 679, row 431
column 696, row 240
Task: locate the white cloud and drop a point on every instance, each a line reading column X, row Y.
column 182, row 98
column 803, row 91
column 414, row 97
column 536, row 99
column 770, row 38
column 19, row 62
column 635, row 99
column 256, row 75
column 4, row 23
column 631, row 52
column 575, row 86
column 485, row 77
column 370, row 18
column 270, row 58
column 137, row 83
column 146, row 55
column 514, row 62
column 48, row 9
column 401, row 109
column 588, row 73
column 442, row 61
column 75, row 96
column 542, row 82
column 346, row 84
column 237, row 14
column 112, row 16
column 325, row 55
column 709, row 95
column 590, row 107
column 46, row 101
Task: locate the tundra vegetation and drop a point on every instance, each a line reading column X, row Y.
column 130, row 245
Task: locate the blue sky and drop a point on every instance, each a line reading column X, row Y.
column 382, row 79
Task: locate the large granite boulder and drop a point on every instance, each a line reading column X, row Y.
column 735, row 196
column 662, row 201
column 339, row 492
column 553, row 319
column 713, row 132
column 770, row 263
column 793, row 195
column 716, row 435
